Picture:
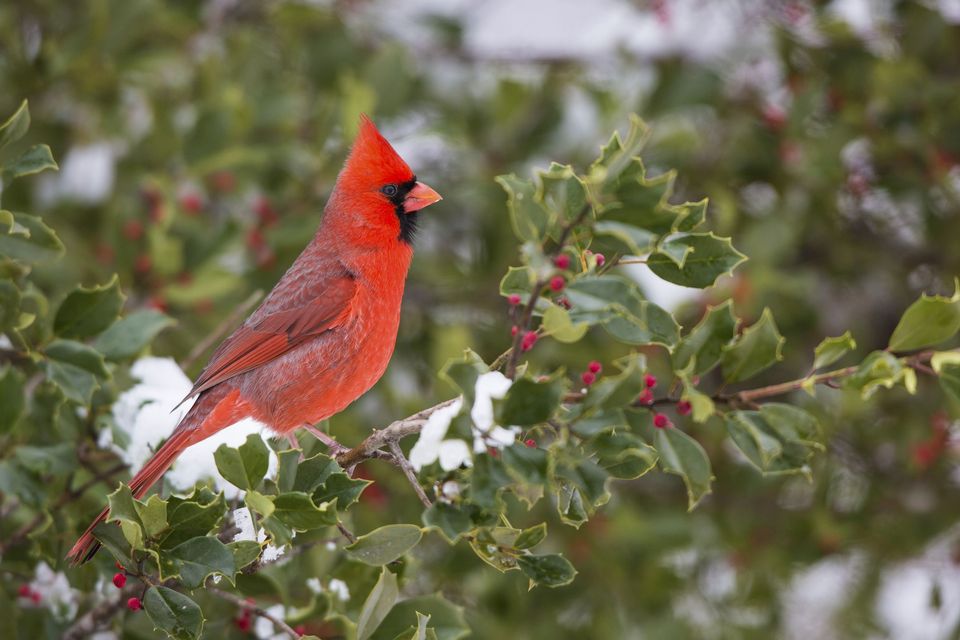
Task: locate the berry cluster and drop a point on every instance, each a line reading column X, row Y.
column 29, row 593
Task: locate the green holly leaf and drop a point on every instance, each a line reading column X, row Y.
column 297, row 511
column 123, row 509
column 450, row 520
column 623, row 455
column 174, row 613
column 682, row 455
column 617, row 155
column 704, row 344
column 562, row 192
column 378, row 604
column 771, row 439
column 927, row 322
column 557, row 324
column 832, row 349
column 386, row 544
column 130, row 335
column 528, row 402
column 16, row 126
column 758, row 348
column 30, row 240
column 312, row 472
column 34, row 160
column 86, row 312
column 529, row 219
column 75, row 368
column 446, row 618
column 549, row 571
column 245, row 466
column 526, row 464
column 635, row 240
column 195, row 515
column 12, row 399
column 618, row 305
column 245, row 552
column 705, row 257
column 518, row 281
column 880, row 369
column 531, row 537
column 342, row 488
column 196, row 559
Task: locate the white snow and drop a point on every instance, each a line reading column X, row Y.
column 145, row 416
column 86, row 175
column 55, row 591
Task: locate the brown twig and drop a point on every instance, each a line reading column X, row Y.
column 218, row 332
column 396, row 431
column 401, row 461
column 254, row 609
column 88, row 623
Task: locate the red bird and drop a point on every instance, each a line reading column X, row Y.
column 326, row 332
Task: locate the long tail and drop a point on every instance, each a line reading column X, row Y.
column 214, row 410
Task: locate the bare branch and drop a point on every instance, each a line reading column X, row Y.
column 408, row 471
column 254, row 609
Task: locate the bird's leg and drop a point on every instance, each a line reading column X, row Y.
column 292, row 439
column 334, row 447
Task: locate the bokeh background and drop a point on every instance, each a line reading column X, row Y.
column 197, row 141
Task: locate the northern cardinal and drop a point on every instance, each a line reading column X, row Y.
column 326, row 332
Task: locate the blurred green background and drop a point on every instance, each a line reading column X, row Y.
column 198, row 140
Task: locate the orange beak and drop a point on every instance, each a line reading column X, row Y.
column 419, row 197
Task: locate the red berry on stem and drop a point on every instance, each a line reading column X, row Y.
column 514, row 329
column 24, row 591
column 119, row 580
column 661, row 421
column 645, row 397
column 588, row 378
column 530, row 442
column 513, row 299
column 134, row 604
column 557, row 283
column 529, row 339
column 684, row 408
column 133, row 229
column 600, row 260
column 191, row 203
column 650, row 380
column 562, row 261
column 595, row 367
column 300, row 629
column 35, row 596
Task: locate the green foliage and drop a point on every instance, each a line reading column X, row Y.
column 82, row 285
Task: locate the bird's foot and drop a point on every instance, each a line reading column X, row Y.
column 331, row 443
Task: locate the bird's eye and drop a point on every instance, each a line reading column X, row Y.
column 389, row 190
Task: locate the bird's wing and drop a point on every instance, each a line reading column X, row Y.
column 256, row 343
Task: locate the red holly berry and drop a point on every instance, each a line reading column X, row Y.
column 265, row 211
column 255, row 238
column 529, row 339
column 134, row 604
column 24, row 591
column 564, row 302
column 223, row 181
column 35, row 597
column 650, row 380
column 133, row 229
column 244, row 621
column 494, row 452
column 684, row 408
column 595, row 367
column 300, row 629
column 562, row 261
column 645, row 397
column 600, row 260
column 530, row 442
column 514, row 329
column 660, row 421
column 774, row 117
column 588, row 378
column 513, row 299
column 557, row 283
column 119, row 580
column 143, row 263
column 157, row 302
column 191, row 203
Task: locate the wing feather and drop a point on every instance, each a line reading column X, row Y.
column 261, row 341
